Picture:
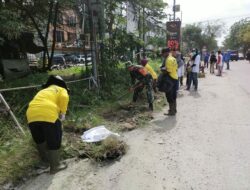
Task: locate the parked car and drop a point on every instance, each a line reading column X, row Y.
column 70, row 58
column 32, row 58
column 58, row 62
column 33, row 62
column 241, row 56
column 81, row 58
column 234, row 56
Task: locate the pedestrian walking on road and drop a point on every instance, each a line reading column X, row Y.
column 140, row 77
column 219, row 63
column 168, row 80
column 44, row 115
column 195, row 65
column 212, row 60
column 227, row 56
column 206, row 58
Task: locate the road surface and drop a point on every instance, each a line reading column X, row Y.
column 206, row 146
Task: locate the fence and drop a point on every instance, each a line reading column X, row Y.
column 8, row 109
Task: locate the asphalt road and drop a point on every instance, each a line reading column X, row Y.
column 206, row 146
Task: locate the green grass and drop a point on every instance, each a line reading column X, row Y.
column 86, row 109
column 40, row 78
column 17, row 157
column 77, row 70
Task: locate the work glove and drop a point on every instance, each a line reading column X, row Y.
column 62, row 117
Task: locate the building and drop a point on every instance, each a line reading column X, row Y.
column 68, row 30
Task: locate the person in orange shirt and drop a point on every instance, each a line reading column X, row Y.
column 144, row 78
column 44, row 114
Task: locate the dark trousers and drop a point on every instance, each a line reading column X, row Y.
column 228, row 66
column 188, row 78
column 148, row 82
column 172, row 94
column 194, row 79
column 206, row 64
column 51, row 133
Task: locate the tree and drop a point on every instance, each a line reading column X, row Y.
column 36, row 16
column 192, row 37
column 202, row 35
column 148, row 10
column 11, row 26
column 239, row 35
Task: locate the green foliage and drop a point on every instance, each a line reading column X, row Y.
column 157, row 41
column 153, row 8
column 69, row 72
column 17, row 157
column 191, row 36
column 201, row 35
column 239, row 35
column 10, row 23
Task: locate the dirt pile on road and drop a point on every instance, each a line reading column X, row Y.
column 129, row 116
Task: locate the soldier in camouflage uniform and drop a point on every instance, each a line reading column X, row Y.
column 140, row 74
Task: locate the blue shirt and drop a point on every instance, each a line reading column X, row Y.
column 206, row 57
column 227, row 56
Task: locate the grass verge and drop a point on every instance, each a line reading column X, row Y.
column 87, row 109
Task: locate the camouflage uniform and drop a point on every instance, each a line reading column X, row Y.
column 139, row 73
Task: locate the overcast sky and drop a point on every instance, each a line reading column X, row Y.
column 228, row 11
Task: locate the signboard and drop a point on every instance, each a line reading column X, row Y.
column 174, row 34
column 176, row 8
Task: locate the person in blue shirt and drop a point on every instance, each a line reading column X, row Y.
column 206, row 58
column 227, row 59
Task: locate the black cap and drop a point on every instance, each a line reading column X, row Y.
column 56, row 80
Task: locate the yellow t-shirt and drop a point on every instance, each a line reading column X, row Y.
column 151, row 71
column 48, row 104
column 171, row 67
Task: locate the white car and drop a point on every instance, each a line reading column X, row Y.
column 81, row 58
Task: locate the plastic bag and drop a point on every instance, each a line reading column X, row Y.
column 97, row 134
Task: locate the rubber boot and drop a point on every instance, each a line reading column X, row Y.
column 171, row 110
column 151, row 107
column 181, row 81
column 175, row 107
column 43, row 153
column 55, row 165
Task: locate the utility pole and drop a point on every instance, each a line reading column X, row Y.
column 174, row 9
column 93, row 44
column 143, row 32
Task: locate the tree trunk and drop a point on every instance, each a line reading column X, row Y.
column 54, row 35
column 46, row 53
column 143, row 31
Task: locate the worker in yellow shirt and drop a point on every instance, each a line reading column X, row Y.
column 44, row 115
column 169, row 70
column 144, row 63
